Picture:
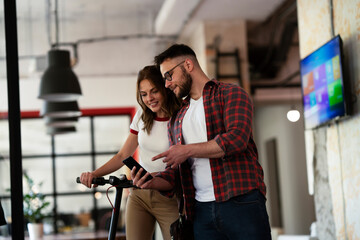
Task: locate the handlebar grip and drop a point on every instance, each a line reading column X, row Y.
column 98, row 181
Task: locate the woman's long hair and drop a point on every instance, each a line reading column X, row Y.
column 171, row 103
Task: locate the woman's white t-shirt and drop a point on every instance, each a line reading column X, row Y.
column 151, row 144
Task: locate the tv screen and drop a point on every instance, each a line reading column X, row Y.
column 323, row 84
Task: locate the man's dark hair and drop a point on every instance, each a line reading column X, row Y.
column 174, row 51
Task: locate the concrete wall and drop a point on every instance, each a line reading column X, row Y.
column 334, row 150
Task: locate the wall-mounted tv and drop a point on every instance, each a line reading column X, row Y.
column 322, row 84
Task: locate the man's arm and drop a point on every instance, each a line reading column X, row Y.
column 237, row 117
column 177, row 154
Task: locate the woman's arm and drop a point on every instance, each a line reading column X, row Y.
column 114, row 163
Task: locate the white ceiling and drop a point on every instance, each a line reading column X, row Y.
column 83, row 21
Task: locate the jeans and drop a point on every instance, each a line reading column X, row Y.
column 242, row 217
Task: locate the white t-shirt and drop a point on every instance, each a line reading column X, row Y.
column 194, row 131
column 153, row 144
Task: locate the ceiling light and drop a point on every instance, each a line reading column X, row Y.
column 59, row 83
column 60, row 109
column 293, row 115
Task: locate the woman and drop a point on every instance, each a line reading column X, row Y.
column 148, row 130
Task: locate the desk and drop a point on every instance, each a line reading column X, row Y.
column 101, row 235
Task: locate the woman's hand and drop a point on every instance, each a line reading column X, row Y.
column 139, row 181
column 157, row 183
column 86, row 179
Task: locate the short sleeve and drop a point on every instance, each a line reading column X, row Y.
column 135, row 124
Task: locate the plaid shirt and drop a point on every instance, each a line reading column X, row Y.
column 228, row 113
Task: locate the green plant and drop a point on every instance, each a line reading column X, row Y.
column 34, row 202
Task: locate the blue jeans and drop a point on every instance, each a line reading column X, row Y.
column 242, row 217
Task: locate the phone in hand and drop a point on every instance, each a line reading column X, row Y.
column 130, row 162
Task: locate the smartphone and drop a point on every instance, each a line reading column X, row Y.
column 130, row 162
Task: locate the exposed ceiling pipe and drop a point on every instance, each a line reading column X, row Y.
column 172, row 18
column 48, row 21
column 74, row 45
column 275, row 53
column 282, row 17
column 286, row 82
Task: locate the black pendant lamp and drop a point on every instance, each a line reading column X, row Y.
column 61, row 121
column 59, row 83
column 60, row 130
column 60, row 109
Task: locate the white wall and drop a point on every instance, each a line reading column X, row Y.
column 297, row 205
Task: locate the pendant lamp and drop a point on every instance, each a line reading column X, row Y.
column 59, row 83
column 60, row 130
column 60, row 109
column 60, row 121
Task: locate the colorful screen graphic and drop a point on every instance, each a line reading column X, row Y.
column 322, row 84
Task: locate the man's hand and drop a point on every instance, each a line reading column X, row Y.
column 176, row 155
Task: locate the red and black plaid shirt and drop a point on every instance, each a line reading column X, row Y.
column 228, row 113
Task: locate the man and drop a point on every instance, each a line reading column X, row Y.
column 212, row 147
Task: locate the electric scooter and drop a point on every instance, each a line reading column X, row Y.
column 119, row 184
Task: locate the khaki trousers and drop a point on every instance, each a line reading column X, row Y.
column 144, row 207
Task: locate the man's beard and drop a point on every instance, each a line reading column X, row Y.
column 186, row 86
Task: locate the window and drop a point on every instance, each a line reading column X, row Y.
column 58, row 160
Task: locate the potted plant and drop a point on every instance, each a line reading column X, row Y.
column 34, row 205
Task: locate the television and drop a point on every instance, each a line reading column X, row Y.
column 322, row 85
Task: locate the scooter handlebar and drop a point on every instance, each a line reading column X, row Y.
column 112, row 180
column 97, row 181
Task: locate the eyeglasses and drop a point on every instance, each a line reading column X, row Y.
column 168, row 76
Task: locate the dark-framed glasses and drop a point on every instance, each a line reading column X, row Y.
column 167, row 75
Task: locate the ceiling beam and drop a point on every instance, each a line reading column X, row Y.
column 173, row 15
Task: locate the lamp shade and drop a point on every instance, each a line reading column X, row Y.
column 60, row 122
column 59, row 83
column 60, row 130
column 60, row 109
